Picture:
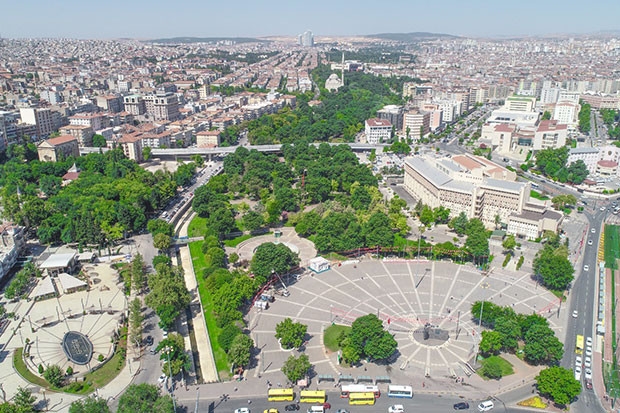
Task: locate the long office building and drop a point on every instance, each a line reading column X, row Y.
column 479, row 188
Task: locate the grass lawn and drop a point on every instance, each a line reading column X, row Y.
column 236, row 241
column 330, row 337
column 197, row 227
column 507, row 369
column 538, row 195
column 221, row 359
column 612, row 245
column 106, row 373
column 20, row 366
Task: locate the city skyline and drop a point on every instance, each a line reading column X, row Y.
column 156, row 19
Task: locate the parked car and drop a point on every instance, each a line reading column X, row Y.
column 396, row 408
column 149, row 340
column 461, row 406
column 291, row 407
column 242, row 410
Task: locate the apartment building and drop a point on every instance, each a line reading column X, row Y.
column 12, row 245
column 162, row 106
column 134, row 105
column 393, row 114
column 42, row 118
column 132, row 147
column 208, row 139
column 567, row 112
column 51, row 150
column 110, row 103
column 95, row 121
column 436, row 114
column 377, row 130
column 83, row 133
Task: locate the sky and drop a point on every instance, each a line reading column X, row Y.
column 149, row 19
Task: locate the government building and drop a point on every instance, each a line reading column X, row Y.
column 481, row 189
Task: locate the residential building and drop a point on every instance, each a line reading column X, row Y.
column 83, row 134
column 377, row 130
column 306, row 39
column 162, row 106
column 393, row 114
column 95, row 121
column 567, row 112
column 42, row 118
column 209, row 139
column 51, row 150
column 436, row 115
column 135, row 105
column 110, row 103
column 132, row 147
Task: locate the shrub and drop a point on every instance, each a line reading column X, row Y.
column 520, row 262
column 100, row 358
column 228, row 335
column 506, row 260
column 69, row 371
column 41, row 369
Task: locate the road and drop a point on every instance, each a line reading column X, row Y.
column 428, row 403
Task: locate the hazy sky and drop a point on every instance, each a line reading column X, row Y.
column 105, row 19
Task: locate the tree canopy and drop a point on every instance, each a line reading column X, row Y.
column 559, row 384
column 270, row 257
column 290, row 334
column 144, row 398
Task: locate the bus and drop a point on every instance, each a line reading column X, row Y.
column 579, row 344
column 362, row 398
column 358, row 388
column 400, row 391
column 280, row 395
column 312, row 396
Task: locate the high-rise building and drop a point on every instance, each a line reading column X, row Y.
column 42, row 118
column 306, row 39
column 162, row 106
column 416, row 124
column 394, row 114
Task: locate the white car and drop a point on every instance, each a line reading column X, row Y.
column 589, row 341
column 586, row 267
column 577, row 373
column 593, row 230
column 588, row 351
column 590, row 242
column 485, row 406
column 588, row 374
column 578, row 361
column 396, row 408
column 242, row 410
column 575, row 314
column 588, row 362
column 602, row 208
column 162, row 379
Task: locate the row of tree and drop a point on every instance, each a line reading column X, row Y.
column 584, row 117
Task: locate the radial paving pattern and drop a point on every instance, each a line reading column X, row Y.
column 409, row 297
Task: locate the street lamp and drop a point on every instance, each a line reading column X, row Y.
column 167, row 350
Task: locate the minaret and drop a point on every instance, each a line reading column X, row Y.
column 342, row 67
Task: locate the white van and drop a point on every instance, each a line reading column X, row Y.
column 316, row 409
column 486, row 405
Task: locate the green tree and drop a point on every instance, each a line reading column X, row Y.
column 290, row 334
column 159, row 226
column 491, row 343
column 510, row 331
column 426, row 216
column 492, row 368
column 161, row 259
column 477, row 244
column 509, row 243
column 546, row 115
column 370, row 339
column 542, row 346
column 227, row 335
column 558, row 384
column 555, row 271
column 24, row 400
column 241, row 350
column 441, row 214
column 168, row 295
column 137, row 272
column 89, row 405
column 459, row 223
column 162, row 242
column 144, row 398
column 296, row 368
column 222, row 221
column 577, row 172
column 273, row 257
column 54, row 375
column 172, row 349
column 136, row 319
column 252, row 221
column 99, row 141
column 377, row 231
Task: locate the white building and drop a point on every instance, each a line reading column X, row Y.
column 589, row 156
column 549, row 135
column 377, row 130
